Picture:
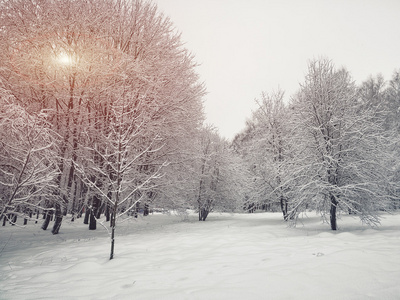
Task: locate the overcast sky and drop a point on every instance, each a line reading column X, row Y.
column 249, row 46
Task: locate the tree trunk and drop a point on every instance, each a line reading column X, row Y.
column 203, row 213
column 92, row 219
column 107, row 213
column 136, row 210
column 58, row 219
column 284, row 207
column 5, row 220
column 87, row 213
column 333, row 213
column 47, row 219
column 200, row 212
column 100, row 210
column 14, row 220
column 146, row 210
column 93, row 212
column 113, row 216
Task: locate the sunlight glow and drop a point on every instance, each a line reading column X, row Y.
column 65, row 59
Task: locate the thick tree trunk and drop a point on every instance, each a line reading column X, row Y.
column 333, row 213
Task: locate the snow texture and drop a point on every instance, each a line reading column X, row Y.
column 230, row 256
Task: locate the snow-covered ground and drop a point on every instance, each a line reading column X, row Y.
column 230, row 256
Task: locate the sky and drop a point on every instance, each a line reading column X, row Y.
column 246, row 47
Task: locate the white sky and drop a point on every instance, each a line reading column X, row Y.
column 249, row 46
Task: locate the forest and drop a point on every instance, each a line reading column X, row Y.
column 101, row 119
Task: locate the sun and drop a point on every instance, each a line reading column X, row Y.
column 64, row 59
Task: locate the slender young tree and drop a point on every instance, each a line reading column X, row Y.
column 112, row 170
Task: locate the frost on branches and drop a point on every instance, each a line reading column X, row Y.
column 344, row 157
column 220, row 175
column 27, row 160
column 333, row 148
column 119, row 89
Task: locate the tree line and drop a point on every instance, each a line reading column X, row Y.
column 333, row 148
column 101, row 114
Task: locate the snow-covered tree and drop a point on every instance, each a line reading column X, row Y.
column 392, row 94
column 115, row 156
column 344, row 158
column 393, row 120
column 28, row 163
column 266, row 147
column 52, row 55
column 376, row 92
column 272, row 147
column 71, row 57
column 221, row 180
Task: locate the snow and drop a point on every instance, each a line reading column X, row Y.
column 229, row 256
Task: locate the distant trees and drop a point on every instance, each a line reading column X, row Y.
column 221, row 176
column 266, row 147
